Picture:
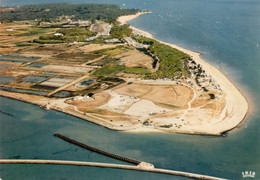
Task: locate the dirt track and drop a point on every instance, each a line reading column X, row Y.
column 175, row 95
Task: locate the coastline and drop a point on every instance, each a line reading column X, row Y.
column 235, row 110
column 236, row 106
column 124, row 19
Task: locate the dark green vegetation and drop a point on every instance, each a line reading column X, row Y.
column 173, row 63
column 112, row 69
column 166, row 126
column 49, row 12
column 119, row 32
column 212, row 96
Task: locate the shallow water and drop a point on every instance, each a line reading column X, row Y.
column 40, row 93
column 225, row 31
column 36, row 65
column 17, row 58
column 5, row 66
column 34, row 79
column 6, row 79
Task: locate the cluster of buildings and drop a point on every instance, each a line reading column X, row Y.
column 131, row 42
column 204, row 81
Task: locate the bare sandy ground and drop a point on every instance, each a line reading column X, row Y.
column 236, row 106
column 96, row 47
column 135, row 58
column 177, row 95
column 66, row 68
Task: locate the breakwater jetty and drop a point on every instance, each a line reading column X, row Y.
column 107, row 165
column 91, row 148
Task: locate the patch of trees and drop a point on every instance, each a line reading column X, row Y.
column 173, row 63
column 48, row 12
column 120, row 31
column 212, row 96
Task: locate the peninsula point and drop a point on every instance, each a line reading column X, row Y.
column 104, row 71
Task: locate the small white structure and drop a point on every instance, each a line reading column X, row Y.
column 58, row 34
column 145, row 165
column 80, row 23
column 114, row 40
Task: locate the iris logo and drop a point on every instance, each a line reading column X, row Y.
column 249, row 174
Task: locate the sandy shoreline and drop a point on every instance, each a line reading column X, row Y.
column 236, row 107
column 231, row 116
column 124, row 19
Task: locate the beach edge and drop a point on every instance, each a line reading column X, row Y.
column 237, row 104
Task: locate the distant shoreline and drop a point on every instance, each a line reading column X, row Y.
column 236, row 105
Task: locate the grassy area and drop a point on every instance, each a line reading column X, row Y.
column 68, row 35
column 40, row 41
column 22, row 29
column 20, row 44
column 112, row 51
column 37, row 31
column 113, row 69
column 99, row 40
column 111, row 65
column 116, row 51
column 11, row 32
column 136, row 70
column 77, row 31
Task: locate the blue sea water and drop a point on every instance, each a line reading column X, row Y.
column 226, row 32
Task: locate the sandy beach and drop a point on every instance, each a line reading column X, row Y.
column 236, row 106
column 124, row 19
column 151, row 105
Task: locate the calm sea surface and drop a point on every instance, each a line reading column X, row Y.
column 227, row 32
